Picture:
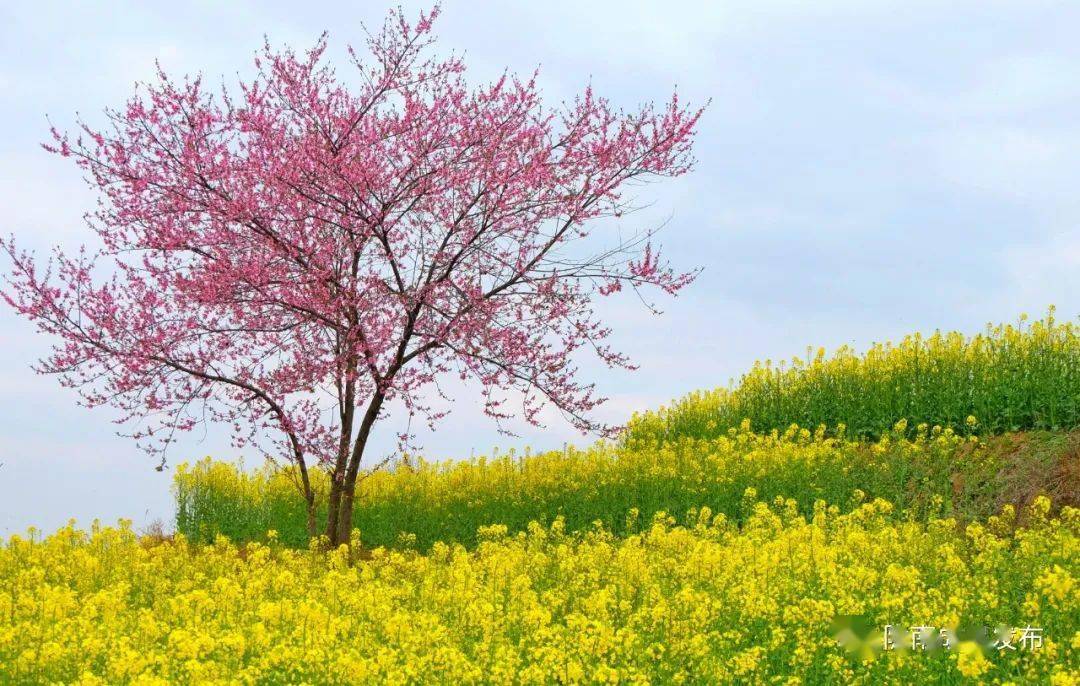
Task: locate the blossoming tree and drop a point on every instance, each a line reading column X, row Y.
column 290, row 256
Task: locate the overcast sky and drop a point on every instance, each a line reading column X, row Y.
column 866, row 169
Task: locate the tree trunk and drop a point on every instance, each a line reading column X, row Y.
column 337, row 477
column 333, row 507
column 347, row 490
column 312, row 526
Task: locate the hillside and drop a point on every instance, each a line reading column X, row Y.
column 1006, row 378
column 924, row 473
column 698, row 549
column 933, row 457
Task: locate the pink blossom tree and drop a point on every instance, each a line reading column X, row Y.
column 290, row 256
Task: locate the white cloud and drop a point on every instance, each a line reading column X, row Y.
column 1019, row 162
column 995, row 88
column 1044, row 272
column 1020, row 84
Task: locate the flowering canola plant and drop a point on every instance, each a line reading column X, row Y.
column 709, row 602
column 1010, row 377
column 448, row 501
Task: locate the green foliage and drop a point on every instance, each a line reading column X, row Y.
column 925, row 472
column 1010, row 377
column 703, row 453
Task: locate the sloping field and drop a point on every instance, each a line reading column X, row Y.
column 703, row 548
column 1008, row 378
column 925, row 473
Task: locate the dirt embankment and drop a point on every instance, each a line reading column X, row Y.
column 1030, row 464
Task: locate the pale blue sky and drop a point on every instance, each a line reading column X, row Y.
column 866, row 169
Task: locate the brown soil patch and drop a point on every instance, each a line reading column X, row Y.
column 1034, row 464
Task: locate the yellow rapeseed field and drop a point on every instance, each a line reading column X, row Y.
column 450, row 500
column 707, row 603
column 1011, row 377
column 717, row 543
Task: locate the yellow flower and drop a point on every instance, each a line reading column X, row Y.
column 970, row 660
